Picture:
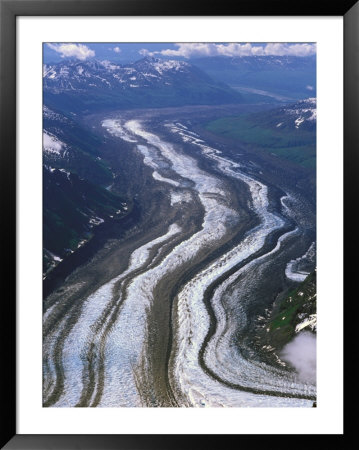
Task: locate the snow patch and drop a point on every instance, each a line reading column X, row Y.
column 51, row 144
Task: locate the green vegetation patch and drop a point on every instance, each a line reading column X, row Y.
column 260, row 130
column 299, row 303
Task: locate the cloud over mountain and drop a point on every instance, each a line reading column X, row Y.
column 78, row 51
column 188, row 50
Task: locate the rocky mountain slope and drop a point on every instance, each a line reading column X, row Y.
column 295, row 313
column 75, row 198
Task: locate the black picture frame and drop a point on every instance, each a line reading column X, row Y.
column 9, row 10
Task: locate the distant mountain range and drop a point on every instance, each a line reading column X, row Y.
column 289, row 77
column 150, row 82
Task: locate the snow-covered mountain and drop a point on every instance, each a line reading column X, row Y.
column 92, row 74
column 147, row 82
column 302, row 113
column 69, row 146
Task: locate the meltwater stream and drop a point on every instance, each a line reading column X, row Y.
column 102, row 354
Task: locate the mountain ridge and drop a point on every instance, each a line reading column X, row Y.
column 81, row 86
column 290, row 77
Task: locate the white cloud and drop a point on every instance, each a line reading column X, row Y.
column 79, row 51
column 301, row 353
column 117, row 49
column 188, row 50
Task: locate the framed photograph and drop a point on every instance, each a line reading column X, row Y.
column 175, row 185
